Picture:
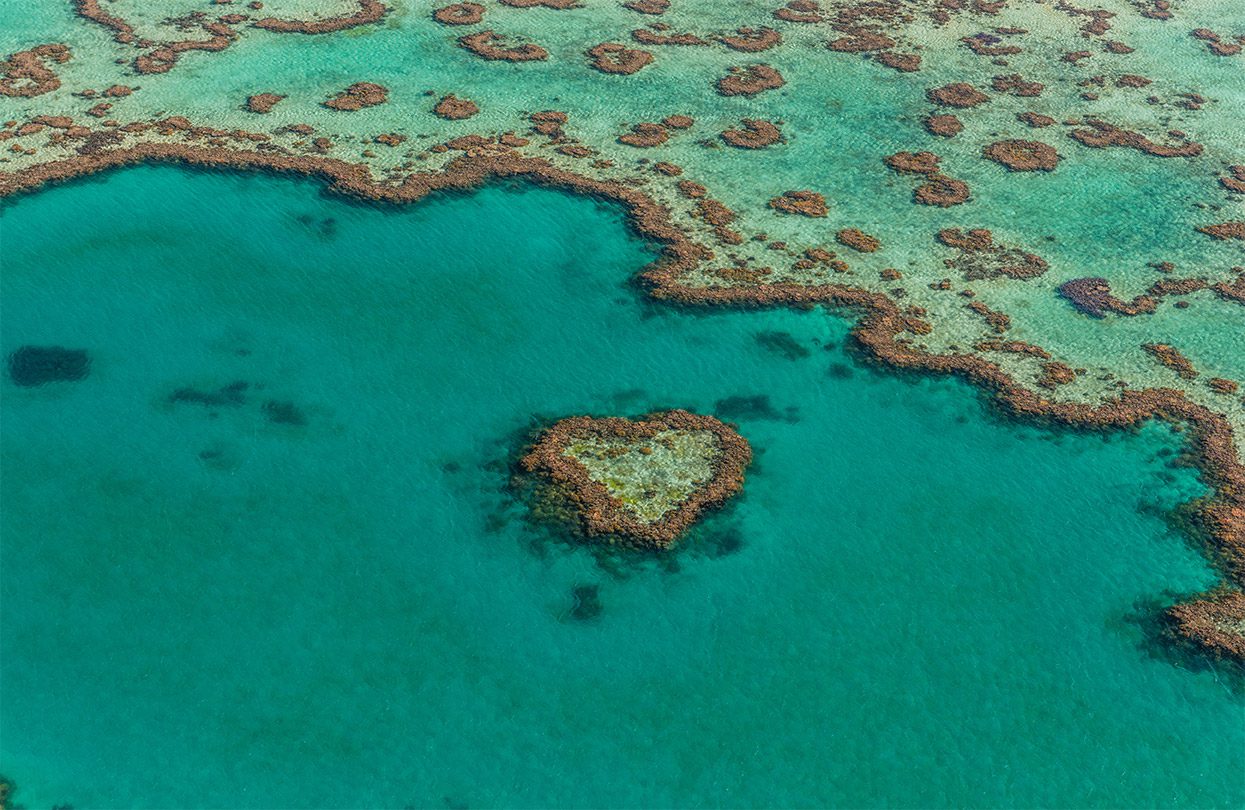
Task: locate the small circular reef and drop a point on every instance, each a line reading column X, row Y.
column 637, row 482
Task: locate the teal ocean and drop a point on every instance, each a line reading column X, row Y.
column 309, row 586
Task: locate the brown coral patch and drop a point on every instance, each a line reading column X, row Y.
column 484, row 44
column 1093, row 296
column 1233, row 291
column 1035, row 120
column 982, row 258
column 1216, row 44
column 1234, row 180
column 370, row 11
column 1171, row 357
column 1000, row 322
column 612, row 57
column 959, row 94
column 755, row 134
column 262, row 102
column 944, row 125
column 1221, row 386
column 692, row 190
column 648, row 6
column 1102, row 135
column 751, row 40
column 553, row 4
column 678, row 121
column 913, row 162
column 163, row 57
column 713, row 212
column 25, row 73
column 1023, row 156
column 942, row 191
column 646, row 36
column 357, row 96
column 861, row 41
column 548, row 122
column 1056, row 374
column 903, row 62
column 1214, row 622
column 453, row 108
column 857, row 239
column 459, row 14
column 645, row 135
column 799, row 11
column 1225, row 230
column 91, row 10
column 750, row 80
column 1016, row 85
column 805, row 203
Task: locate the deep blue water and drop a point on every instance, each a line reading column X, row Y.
column 915, row 602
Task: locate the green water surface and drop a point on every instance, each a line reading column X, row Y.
column 333, row 601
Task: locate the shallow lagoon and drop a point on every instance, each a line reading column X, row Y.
column 915, row 602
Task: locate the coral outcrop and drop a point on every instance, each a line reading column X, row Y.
column 640, row 482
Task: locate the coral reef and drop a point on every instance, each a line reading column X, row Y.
column 1101, row 135
column 1216, row 622
column 641, row 482
column 26, row 74
column 485, row 45
column 751, row 40
column 755, row 134
column 612, row 57
column 370, row 11
column 1093, row 296
column 942, row 191
column 357, row 96
column 957, row 94
column 944, row 125
column 459, row 14
column 1023, row 156
column 807, row 203
column 453, row 108
column 1171, row 357
column 980, row 257
column 645, row 135
column 750, row 80
column 857, row 239
column 262, row 102
column 1225, row 230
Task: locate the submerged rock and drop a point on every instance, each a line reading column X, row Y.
column 31, row 366
column 233, row 395
column 281, row 412
column 586, row 602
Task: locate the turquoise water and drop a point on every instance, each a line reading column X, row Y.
column 913, row 603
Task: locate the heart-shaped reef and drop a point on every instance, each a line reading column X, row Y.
column 643, row 481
